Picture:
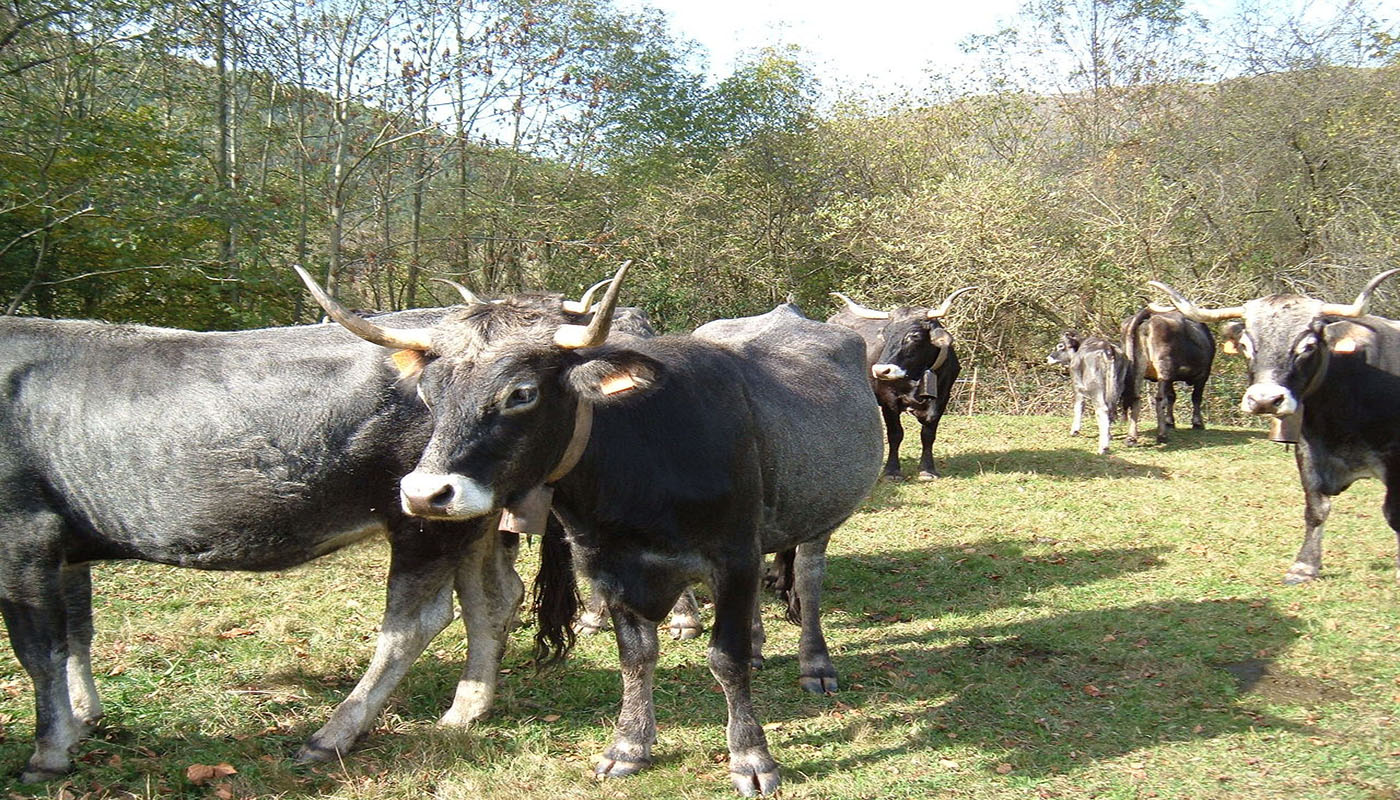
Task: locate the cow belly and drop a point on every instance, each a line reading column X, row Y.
column 1336, row 469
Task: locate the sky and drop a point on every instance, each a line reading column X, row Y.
column 875, row 44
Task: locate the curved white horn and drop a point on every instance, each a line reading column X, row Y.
column 860, row 310
column 935, row 313
column 573, row 337
column 420, row 339
column 580, row 306
column 1358, row 307
column 468, row 296
column 1198, row 314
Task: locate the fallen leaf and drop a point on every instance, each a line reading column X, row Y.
column 1092, row 690
column 947, row 763
column 223, row 791
column 198, row 774
column 233, row 633
column 1004, row 768
column 550, row 718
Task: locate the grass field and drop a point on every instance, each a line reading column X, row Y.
column 1042, row 622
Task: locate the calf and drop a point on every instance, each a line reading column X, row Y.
column 1101, row 374
column 1165, row 347
column 912, row 367
column 1327, row 375
column 671, row 460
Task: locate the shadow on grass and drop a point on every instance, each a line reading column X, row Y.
column 1066, row 462
column 1190, row 439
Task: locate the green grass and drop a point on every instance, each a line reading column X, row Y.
column 1042, row 622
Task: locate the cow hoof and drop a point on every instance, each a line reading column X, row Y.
column 755, row 774
column 687, row 631
column 1074, row 433
column 756, row 663
column 1298, row 578
column 32, row 775
column 611, row 768
column 1131, row 441
column 1198, row 426
column 925, row 476
column 818, row 685
column 1161, row 439
column 313, row 753
column 893, row 476
column 1103, row 451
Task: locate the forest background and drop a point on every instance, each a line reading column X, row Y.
column 165, row 162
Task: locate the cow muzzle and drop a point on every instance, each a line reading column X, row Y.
column 888, row 372
column 1269, row 399
column 434, row 496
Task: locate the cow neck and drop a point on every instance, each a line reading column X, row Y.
column 531, row 513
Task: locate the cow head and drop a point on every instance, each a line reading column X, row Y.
column 915, row 340
column 511, row 404
column 1065, row 350
column 1285, row 339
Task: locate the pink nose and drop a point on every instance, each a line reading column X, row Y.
column 1264, row 399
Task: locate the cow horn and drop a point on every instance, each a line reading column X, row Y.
column 1358, row 307
column 580, row 306
column 468, row 296
column 1189, row 308
column 860, row 310
column 1161, row 308
column 419, row 339
column 574, row 337
column 936, row 313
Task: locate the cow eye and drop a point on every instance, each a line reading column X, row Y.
column 521, row 397
column 1306, row 345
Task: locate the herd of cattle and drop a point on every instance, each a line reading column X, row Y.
column 648, row 464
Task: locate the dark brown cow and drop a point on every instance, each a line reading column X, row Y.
column 1165, row 347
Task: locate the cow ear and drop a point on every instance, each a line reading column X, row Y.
column 1230, row 334
column 408, row 363
column 941, row 338
column 1344, row 338
column 614, row 376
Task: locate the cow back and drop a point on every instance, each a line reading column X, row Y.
column 820, row 435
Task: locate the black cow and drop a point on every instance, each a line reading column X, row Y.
column 749, row 436
column 1165, row 347
column 1101, row 374
column 253, row 450
column 912, row 367
column 1329, row 377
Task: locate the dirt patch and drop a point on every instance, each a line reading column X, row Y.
column 1261, row 679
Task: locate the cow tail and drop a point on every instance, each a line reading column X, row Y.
column 555, row 597
column 1130, row 331
column 781, row 578
column 1113, row 380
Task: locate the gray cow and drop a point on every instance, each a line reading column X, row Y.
column 1102, row 376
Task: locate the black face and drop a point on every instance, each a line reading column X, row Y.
column 503, row 421
column 912, row 345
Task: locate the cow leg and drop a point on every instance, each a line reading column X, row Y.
column 818, row 674
column 1316, row 506
column 1104, row 416
column 77, row 604
column 1134, row 408
column 637, row 650
column 685, row 616
column 1166, row 398
column 1198, row 393
column 751, row 768
column 928, row 434
column 1391, row 507
column 422, row 564
column 1078, row 423
column 757, row 636
column 32, row 601
column 490, row 592
column 894, row 437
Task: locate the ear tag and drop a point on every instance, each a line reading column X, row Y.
column 407, row 362
column 1229, row 346
column 617, row 384
column 1347, row 345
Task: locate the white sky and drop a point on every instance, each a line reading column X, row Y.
column 881, row 44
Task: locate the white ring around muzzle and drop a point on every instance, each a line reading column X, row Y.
column 447, row 496
column 1269, row 399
